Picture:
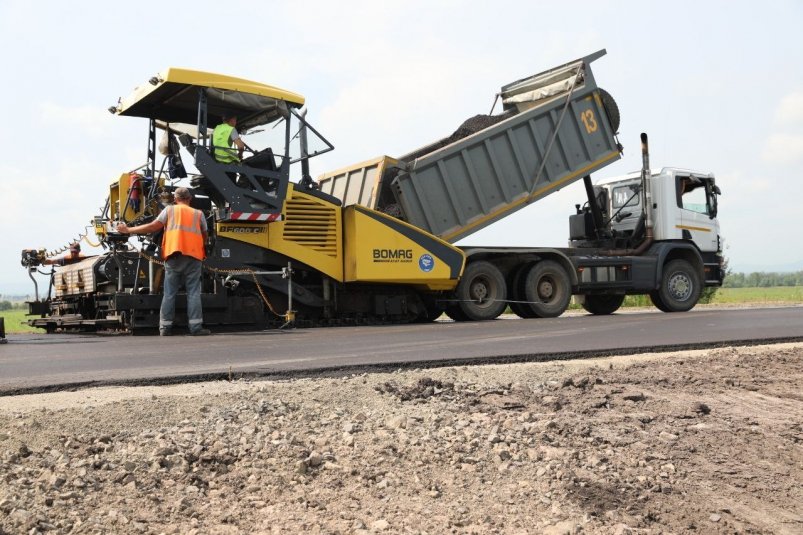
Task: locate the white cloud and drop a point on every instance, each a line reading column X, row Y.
column 790, row 110
column 92, row 120
column 393, row 112
column 754, row 211
column 47, row 219
column 783, row 149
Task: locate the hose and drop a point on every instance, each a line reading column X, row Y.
column 219, row 270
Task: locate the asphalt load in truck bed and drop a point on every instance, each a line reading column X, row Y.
column 705, row 441
column 470, row 126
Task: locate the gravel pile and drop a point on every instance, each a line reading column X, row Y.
column 706, row 442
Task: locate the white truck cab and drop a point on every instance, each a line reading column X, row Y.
column 684, row 205
column 670, row 251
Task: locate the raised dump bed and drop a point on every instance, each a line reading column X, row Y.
column 363, row 183
column 557, row 127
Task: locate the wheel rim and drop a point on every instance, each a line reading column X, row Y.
column 481, row 291
column 680, row 286
column 546, row 289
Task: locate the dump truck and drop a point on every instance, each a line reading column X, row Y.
column 375, row 242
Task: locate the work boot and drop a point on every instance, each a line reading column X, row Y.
column 165, row 332
column 201, row 332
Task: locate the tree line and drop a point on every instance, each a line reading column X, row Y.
column 8, row 305
column 763, row 280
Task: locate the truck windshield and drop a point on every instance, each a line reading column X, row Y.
column 624, row 196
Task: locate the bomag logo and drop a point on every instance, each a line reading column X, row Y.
column 393, row 255
column 243, row 230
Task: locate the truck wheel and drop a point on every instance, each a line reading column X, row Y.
column 547, row 289
column 611, row 109
column 602, row 305
column 456, row 313
column 522, row 310
column 482, row 292
column 655, row 297
column 680, row 286
column 516, row 291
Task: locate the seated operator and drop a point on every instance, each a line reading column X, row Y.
column 72, row 256
column 229, row 147
column 225, row 138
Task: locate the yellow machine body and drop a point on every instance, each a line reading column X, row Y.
column 353, row 244
column 121, row 207
column 383, row 249
column 120, row 196
column 309, row 231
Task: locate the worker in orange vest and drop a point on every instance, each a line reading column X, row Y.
column 183, row 250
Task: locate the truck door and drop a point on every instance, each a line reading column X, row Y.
column 625, row 209
column 697, row 202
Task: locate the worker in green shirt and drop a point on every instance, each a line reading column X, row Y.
column 225, row 138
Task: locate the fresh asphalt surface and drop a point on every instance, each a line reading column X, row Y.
column 41, row 362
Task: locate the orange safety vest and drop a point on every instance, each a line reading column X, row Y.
column 182, row 233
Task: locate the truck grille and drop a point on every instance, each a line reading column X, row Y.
column 311, row 223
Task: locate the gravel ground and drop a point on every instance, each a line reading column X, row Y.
column 699, row 441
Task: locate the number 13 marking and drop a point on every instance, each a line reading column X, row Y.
column 589, row 121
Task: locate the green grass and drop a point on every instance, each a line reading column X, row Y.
column 775, row 294
column 15, row 321
column 787, row 295
column 735, row 296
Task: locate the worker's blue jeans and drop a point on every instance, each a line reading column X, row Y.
column 182, row 270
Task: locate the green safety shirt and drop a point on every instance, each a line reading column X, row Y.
column 221, row 139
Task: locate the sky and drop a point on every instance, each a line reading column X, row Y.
column 717, row 85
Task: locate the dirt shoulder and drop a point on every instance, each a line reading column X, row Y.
column 700, row 441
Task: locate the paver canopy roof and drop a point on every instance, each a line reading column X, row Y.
column 172, row 97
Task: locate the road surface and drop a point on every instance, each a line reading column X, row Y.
column 39, row 362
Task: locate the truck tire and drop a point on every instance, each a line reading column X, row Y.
column 516, row 292
column 655, row 297
column 611, row 109
column 547, row 288
column 680, row 286
column 456, row 313
column 522, row 310
column 602, row 305
column 482, row 292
